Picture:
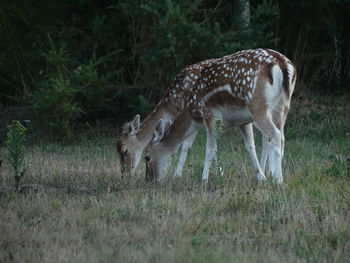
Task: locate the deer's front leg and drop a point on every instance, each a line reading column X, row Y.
column 264, row 152
column 210, row 148
column 248, row 136
column 186, row 145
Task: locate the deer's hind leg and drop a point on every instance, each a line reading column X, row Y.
column 263, row 121
column 279, row 115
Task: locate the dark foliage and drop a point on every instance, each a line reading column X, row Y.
column 114, row 58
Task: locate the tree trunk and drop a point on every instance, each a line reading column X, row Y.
column 242, row 14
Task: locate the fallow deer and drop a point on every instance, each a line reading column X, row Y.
column 247, row 87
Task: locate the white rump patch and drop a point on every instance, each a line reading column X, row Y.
column 291, row 73
column 290, row 70
column 272, row 92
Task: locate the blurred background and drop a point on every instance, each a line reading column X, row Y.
column 71, row 64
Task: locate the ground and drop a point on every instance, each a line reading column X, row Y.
column 75, row 206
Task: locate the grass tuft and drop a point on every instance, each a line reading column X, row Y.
column 79, row 208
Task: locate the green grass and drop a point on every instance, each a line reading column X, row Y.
column 76, row 208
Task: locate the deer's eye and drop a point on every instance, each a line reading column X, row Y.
column 147, row 158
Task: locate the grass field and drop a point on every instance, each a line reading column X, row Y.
column 76, row 208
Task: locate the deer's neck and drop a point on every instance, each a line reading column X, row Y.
column 148, row 125
column 183, row 126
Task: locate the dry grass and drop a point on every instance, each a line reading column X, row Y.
column 77, row 208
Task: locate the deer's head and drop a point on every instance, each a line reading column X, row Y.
column 129, row 147
column 157, row 158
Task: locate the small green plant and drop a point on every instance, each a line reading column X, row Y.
column 16, row 137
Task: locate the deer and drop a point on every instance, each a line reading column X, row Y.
column 250, row 87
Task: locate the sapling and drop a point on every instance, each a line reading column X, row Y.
column 16, row 137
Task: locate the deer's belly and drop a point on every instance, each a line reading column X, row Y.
column 232, row 115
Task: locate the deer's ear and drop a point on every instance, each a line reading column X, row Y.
column 135, row 124
column 158, row 133
column 133, row 127
column 167, row 128
column 126, row 128
column 167, row 125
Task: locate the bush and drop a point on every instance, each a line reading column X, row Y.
column 16, row 144
column 68, row 91
column 53, row 104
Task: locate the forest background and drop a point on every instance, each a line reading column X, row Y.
column 73, row 63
